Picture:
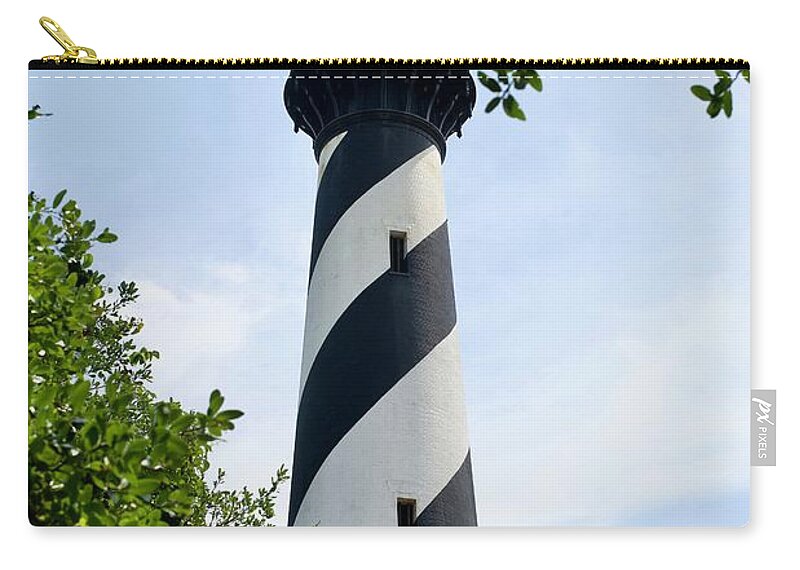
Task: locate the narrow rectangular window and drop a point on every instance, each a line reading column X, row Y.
column 406, row 512
column 397, row 252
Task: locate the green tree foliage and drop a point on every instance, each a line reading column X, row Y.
column 241, row 508
column 501, row 87
column 34, row 113
column 102, row 450
column 720, row 97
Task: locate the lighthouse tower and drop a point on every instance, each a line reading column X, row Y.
column 381, row 434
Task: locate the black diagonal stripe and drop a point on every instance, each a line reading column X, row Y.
column 363, row 158
column 455, row 504
column 382, row 335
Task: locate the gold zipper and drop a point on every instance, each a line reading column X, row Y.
column 72, row 52
column 81, row 56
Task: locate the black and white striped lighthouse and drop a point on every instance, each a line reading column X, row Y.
column 381, row 434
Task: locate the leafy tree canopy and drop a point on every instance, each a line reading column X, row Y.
column 102, row 449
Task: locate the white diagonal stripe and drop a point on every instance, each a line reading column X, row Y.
column 326, row 154
column 356, row 252
column 409, row 444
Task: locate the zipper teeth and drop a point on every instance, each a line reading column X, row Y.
column 464, row 63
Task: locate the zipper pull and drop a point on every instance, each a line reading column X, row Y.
column 72, row 52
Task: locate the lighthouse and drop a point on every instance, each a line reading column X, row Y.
column 381, row 436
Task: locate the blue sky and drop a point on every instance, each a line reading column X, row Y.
column 600, row 255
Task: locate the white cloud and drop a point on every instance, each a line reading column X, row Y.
column 207, row 332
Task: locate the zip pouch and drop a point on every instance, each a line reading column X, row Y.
column 264, row 245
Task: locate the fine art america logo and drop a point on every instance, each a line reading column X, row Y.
column 762, row 427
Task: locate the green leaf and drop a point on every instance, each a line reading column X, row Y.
column 115, row 431
column 135, row 448
column 512, row 109
column 714, row 107
column 78, row 394
column 722, row 85
column 488, row 82
column 727, row 103
column 177, row 448
column 492, row 104
column 59, row 197
column 91, row 434
column 722, row 73
column 214, row 402
column 47, row 455
column 85, row 494
column 701, row 92
column 144, row 486
column 230, row 415
column 182, row 422
column 534, row 80
column 34, row 113
column 88, row 228
column 180, row 496
column 107, row 237
column 520, row 78
column 746, row 75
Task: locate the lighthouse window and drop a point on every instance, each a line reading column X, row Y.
column 406, row 512
column 397, row 252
